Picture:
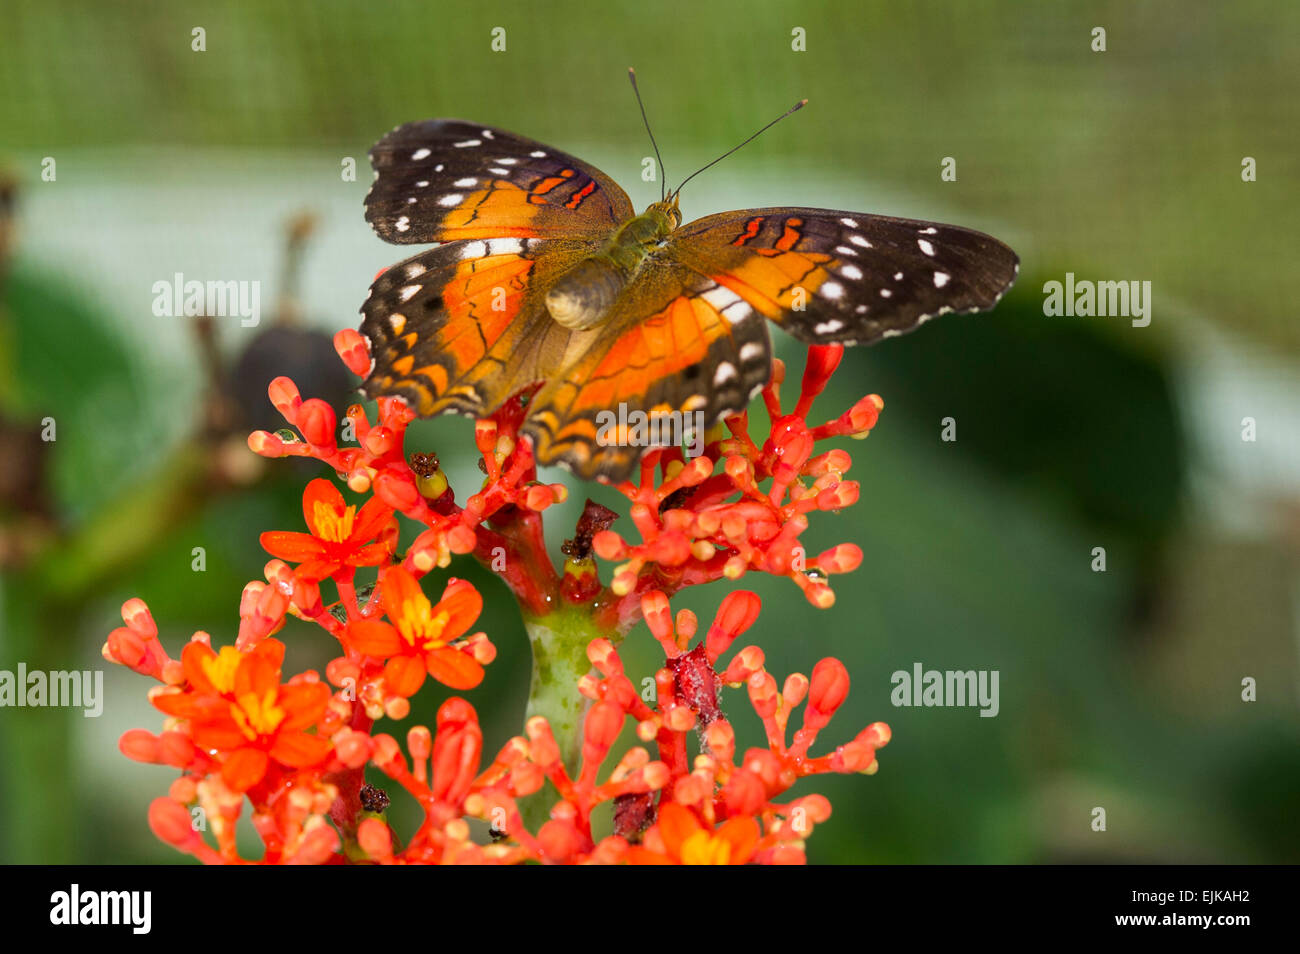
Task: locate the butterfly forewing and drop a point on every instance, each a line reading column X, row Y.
column 462, row 327
column 441, row 180
column 846, row 277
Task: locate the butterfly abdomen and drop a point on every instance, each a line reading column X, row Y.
column 581, row 299
column 583, row 296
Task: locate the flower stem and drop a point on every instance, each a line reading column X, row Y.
column 559, row 640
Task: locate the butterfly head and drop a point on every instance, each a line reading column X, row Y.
column 665, row 213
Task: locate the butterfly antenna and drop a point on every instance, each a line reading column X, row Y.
column 631, row 74
column 797, row 106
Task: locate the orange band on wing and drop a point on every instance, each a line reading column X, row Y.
column 769, row 283
column 495, row 212
column 659, row 347
column 482, row 300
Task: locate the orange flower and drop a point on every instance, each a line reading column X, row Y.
column 338, row 537
column 420, row 636
column 236, row 705
column 678, row 838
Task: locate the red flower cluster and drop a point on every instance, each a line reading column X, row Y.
column 696, row 525
column 296, row 749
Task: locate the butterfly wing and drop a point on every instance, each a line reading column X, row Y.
column 674, row 343
column 846, row 277
column 441, row 180
column 463, row 326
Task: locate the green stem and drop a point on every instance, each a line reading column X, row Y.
column 559, row 642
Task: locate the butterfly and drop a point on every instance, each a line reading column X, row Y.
column 546, row 285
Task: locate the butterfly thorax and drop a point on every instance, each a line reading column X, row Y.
column 582, row 297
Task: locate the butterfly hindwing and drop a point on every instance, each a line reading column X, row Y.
column 846, row 277
column 463, row 326
column 675, row 344
column 441, row 180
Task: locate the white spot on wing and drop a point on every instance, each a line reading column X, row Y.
column 407, row 292
column 925, row 246
column 421, row 154
column 851, row 223
column 930, row 231
column 851, row 271
column 465, row 183
column 941, row 279
column 726, row 372
column 468, row 143
column 832, row 290
column 403, row 224
column 450, row 199
column 886, row 293
column 845, row 250
column 720, row 297
column 828, row 327
column 859, row 241
column 537, row 154
column 414, row 270
column 750, row 350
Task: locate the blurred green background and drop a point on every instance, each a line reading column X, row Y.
column 1119, row 689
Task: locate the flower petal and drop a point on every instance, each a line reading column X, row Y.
column 636, row 855
column 743, row 834
column 256, row 674
column 303, row 703
column 453, row 668
column 676, row 824
column 370, row 555
column 299, row 750
column 404, row 675
column 320, row 491
column 400, row 589
column 193, row 656
column 370, row 521
column 372, row 637
column 244, row 768
column 313, row 571
column 463, row 603
column 291, row 546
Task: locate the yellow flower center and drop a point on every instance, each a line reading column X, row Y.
column 331, row 524
column 220, row 669
column 703, row 848
column 257, row 715
column 419, row 626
